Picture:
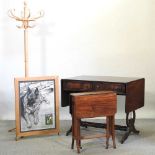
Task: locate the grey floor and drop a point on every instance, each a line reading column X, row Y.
column 142, row 144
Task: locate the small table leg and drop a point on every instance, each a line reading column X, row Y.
column 129, row 128
column 130, row 125
column 97, row 125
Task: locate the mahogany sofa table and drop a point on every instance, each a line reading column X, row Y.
column 132, row 88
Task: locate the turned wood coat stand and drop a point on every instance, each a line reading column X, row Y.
column 25, row 20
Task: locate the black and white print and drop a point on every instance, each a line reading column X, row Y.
column 37, row 105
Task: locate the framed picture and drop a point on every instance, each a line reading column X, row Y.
column 37, row 106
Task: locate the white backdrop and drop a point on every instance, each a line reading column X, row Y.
column 80, row 37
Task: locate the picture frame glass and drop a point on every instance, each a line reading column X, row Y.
column 36, row 105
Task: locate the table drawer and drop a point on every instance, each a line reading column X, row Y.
column 77, row 86
column 117, row 87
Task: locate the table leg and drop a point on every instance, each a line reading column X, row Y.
column 130, row 126
column 97, row 125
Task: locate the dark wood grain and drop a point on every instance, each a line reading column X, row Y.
column 135, row 95
column 89, row 105
column 132, row 88
column 94, row 104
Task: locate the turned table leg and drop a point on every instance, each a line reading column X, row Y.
column 130, row 122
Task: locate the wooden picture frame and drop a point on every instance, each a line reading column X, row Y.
column 36, row 106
